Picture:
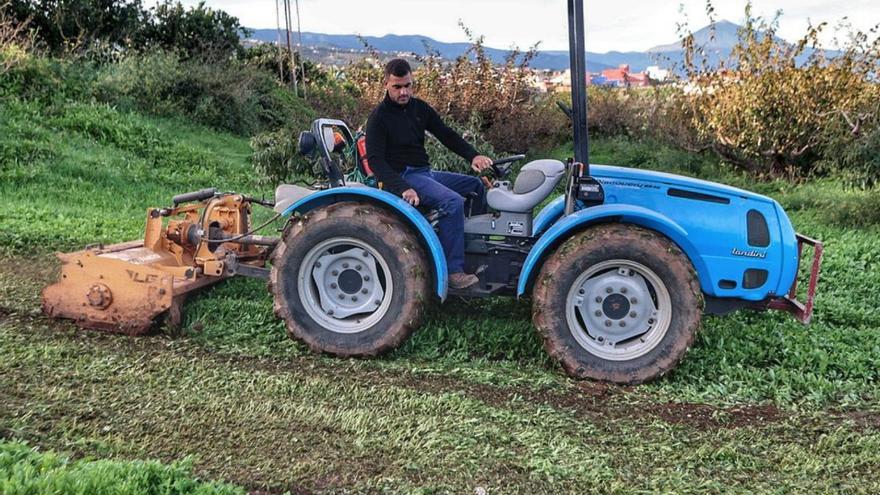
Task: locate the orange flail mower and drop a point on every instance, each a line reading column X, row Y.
column 125, row 287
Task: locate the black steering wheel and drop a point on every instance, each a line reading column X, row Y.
column 502, row 172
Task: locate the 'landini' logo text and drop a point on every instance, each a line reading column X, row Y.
column 748, row 254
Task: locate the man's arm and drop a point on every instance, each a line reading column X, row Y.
column 447, row 136
column 377, row 136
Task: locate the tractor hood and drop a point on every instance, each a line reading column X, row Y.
column 641, row 177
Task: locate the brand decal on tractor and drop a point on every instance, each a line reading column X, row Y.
column 748, row 254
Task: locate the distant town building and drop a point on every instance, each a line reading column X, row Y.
column 658, row 74
column 623, row 77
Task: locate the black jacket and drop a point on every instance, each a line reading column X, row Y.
column 396, row 139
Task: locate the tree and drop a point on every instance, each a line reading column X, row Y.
column 197, row 32
column 65, row 25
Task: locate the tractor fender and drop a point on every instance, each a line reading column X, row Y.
column 376, row 196
column 579, row 220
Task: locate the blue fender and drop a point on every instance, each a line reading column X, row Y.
column 548, row 215
column 407, row 212
column 621, row 213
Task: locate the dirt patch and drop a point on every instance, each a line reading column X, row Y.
column 864, row 420
column 706, row 417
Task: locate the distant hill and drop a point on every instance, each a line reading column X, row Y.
column 718, row 44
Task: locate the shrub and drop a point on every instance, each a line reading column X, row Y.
column 769, row 111
column 276, row 160
column 226, row 95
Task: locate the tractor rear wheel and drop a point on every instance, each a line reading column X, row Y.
column 617, row 303
column 349, row 279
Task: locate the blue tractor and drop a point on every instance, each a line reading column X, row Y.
column 620, row 267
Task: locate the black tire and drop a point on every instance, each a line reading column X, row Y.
column 568, row 271
column 382, row 232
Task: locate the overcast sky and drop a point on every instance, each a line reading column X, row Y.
column 623, row 25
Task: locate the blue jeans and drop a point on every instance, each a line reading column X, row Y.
column 444, row 191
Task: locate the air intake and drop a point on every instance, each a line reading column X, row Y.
column 759, row 234
column 681, row 193
column 754, row 278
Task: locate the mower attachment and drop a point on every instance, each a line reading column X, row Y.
column 789, row 303
column 118, row 288
column 123, row 288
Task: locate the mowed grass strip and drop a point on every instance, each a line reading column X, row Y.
column 264, row 423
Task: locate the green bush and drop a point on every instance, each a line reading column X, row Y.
column 225, row 95
column 276, row 160
column 48, row 80
column 855, row 159
column 23, row 471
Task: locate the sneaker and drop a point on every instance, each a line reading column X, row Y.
column 462, row 280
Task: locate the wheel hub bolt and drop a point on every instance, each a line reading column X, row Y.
column 366, row 278
column 581, row 292
column 632, row 314
column 318, row 265
column 357, row 267
column 607, row 323
column 377, row 302
column 354, row 298
column 609, row 290
column 341, row 296
column 363, row 291
column 345, row 265
column 622, row 324
column 365, row 254
column 598, row 313
column 651, row 320
column 623, row 290
column 333, row 285
column 634, row 300
column 330, row 312
column 598, row 299
column 334, row 273
column 600, row 339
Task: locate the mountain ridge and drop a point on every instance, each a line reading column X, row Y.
column 718, row 38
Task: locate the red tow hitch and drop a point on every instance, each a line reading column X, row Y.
column 803, row 311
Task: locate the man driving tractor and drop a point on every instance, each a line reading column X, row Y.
column 396, row 152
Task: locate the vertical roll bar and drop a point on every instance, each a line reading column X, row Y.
column 578, row 82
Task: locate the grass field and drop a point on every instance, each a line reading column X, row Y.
column 761, row 403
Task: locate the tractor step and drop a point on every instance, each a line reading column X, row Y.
column 481, row 290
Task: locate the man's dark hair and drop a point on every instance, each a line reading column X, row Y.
column 397, row 67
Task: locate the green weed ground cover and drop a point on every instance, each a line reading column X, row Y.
column 760, row 402
column 23, row 470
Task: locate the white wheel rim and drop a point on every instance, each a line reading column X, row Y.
column 618, row 310
column 332, row 307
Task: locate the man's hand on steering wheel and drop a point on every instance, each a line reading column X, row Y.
column 481, row 163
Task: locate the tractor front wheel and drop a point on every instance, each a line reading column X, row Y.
column 349, row 279
column 617, row 303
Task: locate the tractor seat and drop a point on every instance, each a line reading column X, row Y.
column 535, row 182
